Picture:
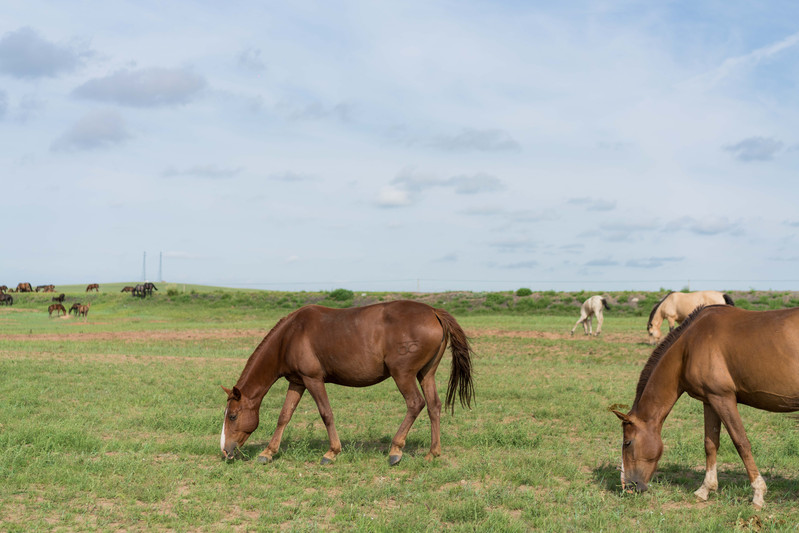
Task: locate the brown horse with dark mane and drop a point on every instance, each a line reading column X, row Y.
column 722, row 356
column 93, row 287
column 58, row 308
column 24, row 287
column 355, row 347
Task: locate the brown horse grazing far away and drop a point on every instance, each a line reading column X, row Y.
column 93, row 287
column 127, row 289
column 58, row 308
column 24, row 287
column 83, row 310
column 721, row 356
column 75, row 307
column 676, row 306
column 59, row 298
column 354, row 347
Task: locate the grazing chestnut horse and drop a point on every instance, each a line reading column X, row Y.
column 721, row 356
column 75, row 308
column 93, row 287
column 590, row 308
column 24, row 287
column 676, row 306
column 58, row 308
column 83, row 310
column 355, row 347
column 127, row 289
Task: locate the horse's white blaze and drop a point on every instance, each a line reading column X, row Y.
column 222, row 438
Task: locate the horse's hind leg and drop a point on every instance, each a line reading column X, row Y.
column 433, row 401
column 415, row 403
column 293, row 396
column 599, row 319
column 712, row 433
column 317, row 390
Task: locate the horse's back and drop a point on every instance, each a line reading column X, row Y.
column 754, row 354
column 363, row 345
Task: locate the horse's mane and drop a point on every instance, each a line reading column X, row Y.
column 251, row 360
column 652, row 314
column 660, row 351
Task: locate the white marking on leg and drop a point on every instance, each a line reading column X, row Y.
column 711, row 483
column 759, row 485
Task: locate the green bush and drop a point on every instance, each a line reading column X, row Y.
column 341, row 295
column 524, row 291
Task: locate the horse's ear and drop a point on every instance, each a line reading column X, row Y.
column 236, row 394
column 227, row 391
column 624, row 418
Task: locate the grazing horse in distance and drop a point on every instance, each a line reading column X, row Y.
column 722, row 356
column 24, row 287
column 590, row 308
column 355, row 347
column 93, row 287
column 6, row 299
column 83, row 310
column 149, row 287
column 59, row 298
column 75, row 307
column 139, row 291
column 58, row 308
column 677, row 306
column 127, row 289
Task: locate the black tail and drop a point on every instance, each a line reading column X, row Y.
column 460, row 377
column 728, row 300
column 605, row 303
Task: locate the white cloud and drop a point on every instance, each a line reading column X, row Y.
column 99, row 129
column 148, row 87
column 25, row 54
column 755, row 149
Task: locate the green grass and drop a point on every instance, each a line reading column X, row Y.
column 113, row 423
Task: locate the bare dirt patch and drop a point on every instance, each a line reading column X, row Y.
column 139, row 336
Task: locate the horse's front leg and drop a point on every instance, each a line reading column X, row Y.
column 415, row 403
column 712, row 433
column 317, row 389
column 727, row 409
column 293, row 396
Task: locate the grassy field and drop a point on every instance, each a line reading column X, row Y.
column 112, row 423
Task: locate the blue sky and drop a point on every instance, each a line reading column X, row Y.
column 401, row 145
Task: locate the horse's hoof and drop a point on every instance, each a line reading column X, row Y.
column 394, row 459
column 264, row 459
column 325, row 461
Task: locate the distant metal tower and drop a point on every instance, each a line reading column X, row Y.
column 160, row 264
column 144, row 267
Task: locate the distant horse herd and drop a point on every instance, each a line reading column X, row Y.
column 142, row 290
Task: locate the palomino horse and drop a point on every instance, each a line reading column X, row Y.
column 93, row 287
column 58, row 308
column 592, row 306
column 676, row 306
column 721, row 356
column 355, row 347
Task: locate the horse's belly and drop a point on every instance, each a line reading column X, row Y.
column 769, row 401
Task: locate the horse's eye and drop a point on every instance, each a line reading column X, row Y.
column 627, row 443
column 233, row 418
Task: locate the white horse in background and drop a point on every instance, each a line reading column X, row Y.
column 677, row 306
column 592, row 306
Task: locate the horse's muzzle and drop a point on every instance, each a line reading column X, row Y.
column 230, row 451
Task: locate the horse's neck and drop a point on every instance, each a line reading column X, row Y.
column 663, row 389
column 260, row 372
